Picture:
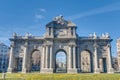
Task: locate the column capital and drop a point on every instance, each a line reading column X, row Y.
column 12, row 45
column 69, row 45
column 108, row 45
column 25, row 45
column 72, row 45
column 51, row 45
column 95, row 45
column 43, row 45
column 47, row 45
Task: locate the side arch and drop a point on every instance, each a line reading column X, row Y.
column 35, row 61
column 86, row 61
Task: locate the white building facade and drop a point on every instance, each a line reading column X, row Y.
column 83, row 54
column 118, row 53
column 4, row 57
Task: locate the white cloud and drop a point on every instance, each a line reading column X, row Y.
column 4, row 38
column 39, row 16
column 104, row 9
column 43, row 10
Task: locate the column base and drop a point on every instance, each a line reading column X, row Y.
column 96, row 70
column 78, row 70
column 110, row 70
column 24, row 70
column 118, row 69
column 46, row 70
column 72, row 70
column 10, row 70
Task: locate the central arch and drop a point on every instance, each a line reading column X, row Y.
column 61, row 61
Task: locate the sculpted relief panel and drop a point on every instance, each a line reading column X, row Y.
column 85, row 61
column 61, row 32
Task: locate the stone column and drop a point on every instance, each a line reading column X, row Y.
column 52, row 35
column 69, row 33
column 47, row 31
column 78, row 58
column 11, row 59
column 69, row 57
column 74, row 31
column 24, row 65
column 109, row 67
column 96, row 69
column 47, row 60
column 74, row 57
column 46, row 57
column 43, row 58
column 101, row 65
column 51, row 52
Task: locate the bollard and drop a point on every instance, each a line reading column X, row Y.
column 3, row 75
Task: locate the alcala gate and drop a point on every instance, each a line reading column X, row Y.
column 83, row 54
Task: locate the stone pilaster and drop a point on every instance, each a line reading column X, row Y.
column 43, row 58
column 11, row 59
column 78, row 59
column 47, row 31
column 52, row 31
column 74, row 32
column 74, row 57
column 96, row 69
column 43, row 62
column 51, row 53
column 70, row 58
column 46, row 57
column 109, row 67
column 69, row 33
column 101, row 65
column 48, row 68
column 24, row 65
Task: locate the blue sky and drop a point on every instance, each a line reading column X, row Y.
column 61, row 57
column 22, row 16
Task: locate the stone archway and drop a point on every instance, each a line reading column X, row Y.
column 35, row 61
column 60, row 61
column 86, row 61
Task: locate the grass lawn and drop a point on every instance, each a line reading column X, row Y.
column 38, row 76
